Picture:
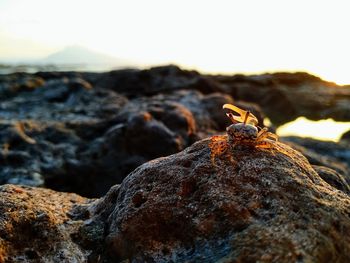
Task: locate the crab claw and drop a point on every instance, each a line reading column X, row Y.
column 250, row 119
column 235, row 119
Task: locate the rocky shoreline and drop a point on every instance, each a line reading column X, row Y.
column 87, row 132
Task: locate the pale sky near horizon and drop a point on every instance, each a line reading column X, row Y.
column 231, row 36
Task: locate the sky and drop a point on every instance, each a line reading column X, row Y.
column 247, row 36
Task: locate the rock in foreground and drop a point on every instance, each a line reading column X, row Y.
column 252, row 205
column 36, row 225
column 260, row 206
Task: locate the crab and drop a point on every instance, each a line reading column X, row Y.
column 244, row 131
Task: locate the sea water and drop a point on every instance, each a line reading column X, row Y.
column 327, row 130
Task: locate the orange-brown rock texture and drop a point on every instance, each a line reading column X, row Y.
column 262, row 206
column 251, row 205
column 36, row 224
column 87, row 132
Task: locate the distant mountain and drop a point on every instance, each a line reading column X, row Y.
column 77, row 55
column 71, row 58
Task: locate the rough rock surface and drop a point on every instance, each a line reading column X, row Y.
column 258, row 206
column 335, row 156
column 60, row 132
column 84, row 132
column 44, row 129
column 36, row 225
column 333, row 178
column 143, row 129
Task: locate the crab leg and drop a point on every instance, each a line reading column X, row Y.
column 218, row 146
column 264, row 134
column 261, row 132
column 272, row 136
column 265, row 144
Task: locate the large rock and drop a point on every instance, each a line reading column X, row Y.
column 335, row 156
column 286, row 96
column 44, row 129
column 36, row 225
column 132, row 82
column 71, row 131
column 251, row 205
column 67, row 135
column 144, row 129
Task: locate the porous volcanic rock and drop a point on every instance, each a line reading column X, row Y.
column 143, row 129
column 44, row 129
column 251, row 205
column 70, row 131
column 36, row 225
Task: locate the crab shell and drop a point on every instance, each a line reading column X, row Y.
column 241, row 133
